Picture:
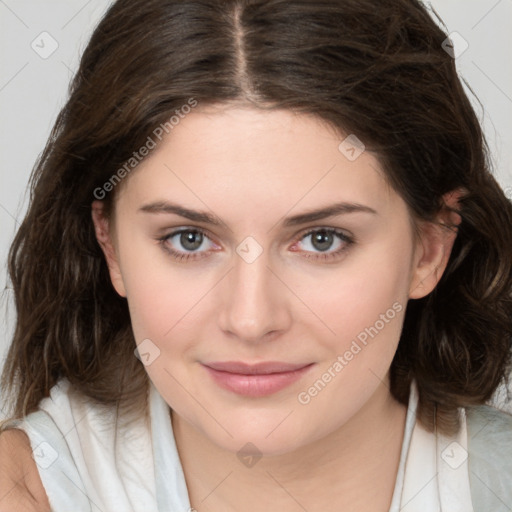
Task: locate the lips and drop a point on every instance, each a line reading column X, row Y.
column 255, row 369
column 255, row 380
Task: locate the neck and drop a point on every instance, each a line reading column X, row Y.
column 354, row 468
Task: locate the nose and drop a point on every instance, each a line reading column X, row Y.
column 255, row 305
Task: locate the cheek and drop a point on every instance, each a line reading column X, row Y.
column 158, row 294
column 365, row 306
column 367, row 291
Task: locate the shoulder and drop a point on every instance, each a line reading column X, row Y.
column 34, row 453
column 490, row 456
column 20, row 485
column 86, row 453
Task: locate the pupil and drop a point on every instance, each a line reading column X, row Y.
column 191, row 240
column 322, row 240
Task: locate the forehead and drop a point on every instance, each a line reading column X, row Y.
column 249, row 160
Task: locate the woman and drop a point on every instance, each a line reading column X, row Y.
column 287, row 208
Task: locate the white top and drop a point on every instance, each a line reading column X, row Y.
column 88, row 461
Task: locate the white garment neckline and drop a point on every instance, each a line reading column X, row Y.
column 433, row 474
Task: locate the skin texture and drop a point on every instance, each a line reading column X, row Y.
column 252, row 169
column 21, row 489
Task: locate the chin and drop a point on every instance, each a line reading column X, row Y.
column 268, row 435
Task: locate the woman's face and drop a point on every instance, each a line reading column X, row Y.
column 321, row 295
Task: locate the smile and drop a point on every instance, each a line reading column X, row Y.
column 255, row 380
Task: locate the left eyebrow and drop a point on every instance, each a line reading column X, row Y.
column 328, row 211
column 295, row 220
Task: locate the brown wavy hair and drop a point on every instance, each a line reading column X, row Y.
column 374, row 68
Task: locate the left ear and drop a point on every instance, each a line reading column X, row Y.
column 434, row 246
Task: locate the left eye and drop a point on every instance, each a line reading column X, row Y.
column 325, row 242
column 323, row 239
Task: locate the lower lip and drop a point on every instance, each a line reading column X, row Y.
column 256, row 385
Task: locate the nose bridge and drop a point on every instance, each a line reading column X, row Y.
column 254, row 305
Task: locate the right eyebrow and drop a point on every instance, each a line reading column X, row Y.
column 172, row 208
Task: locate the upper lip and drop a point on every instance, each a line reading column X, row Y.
column 256, row 368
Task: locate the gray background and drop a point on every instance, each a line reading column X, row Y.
column 33, row 89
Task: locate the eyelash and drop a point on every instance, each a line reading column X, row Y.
column 325, row 256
